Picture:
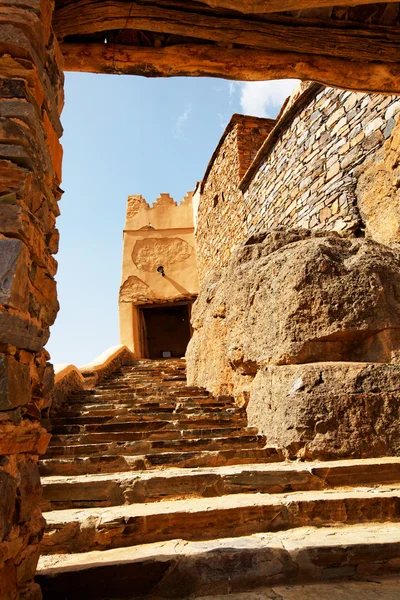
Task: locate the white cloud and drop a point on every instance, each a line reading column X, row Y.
column 265, row 98
column 224, row 119
column 181, row 120
column 233, row 86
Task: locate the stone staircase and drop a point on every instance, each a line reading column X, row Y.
column 153, row 489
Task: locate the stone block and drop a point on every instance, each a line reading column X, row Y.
column 8, row 489
column 8, row 581
column 15, row 383
column 27, row 437
column 21, row 332
column 374, row 139
column 328, row 410
column 377, row 123
column 392, row 110
column 17, row 222
column 14, row 265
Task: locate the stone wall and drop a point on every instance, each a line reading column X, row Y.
column 31, row 99
column 306, row 174
column 221, row 214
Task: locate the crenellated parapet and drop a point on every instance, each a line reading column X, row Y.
column 164, row 213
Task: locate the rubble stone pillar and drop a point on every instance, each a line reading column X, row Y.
column 31, row 99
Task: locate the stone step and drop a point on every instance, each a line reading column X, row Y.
column 155, row 446
column 156, row 391
column 195, row 519
column 143, row 384
column 164, row 434
column 128, row 488
column 384, row 587
column 180, row 569
column 113, row 464
column 139, row 413
column 87, row 401
column 98, row 410
column 139, row 424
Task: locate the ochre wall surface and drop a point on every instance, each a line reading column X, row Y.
column 306, row 175
column 157, row 235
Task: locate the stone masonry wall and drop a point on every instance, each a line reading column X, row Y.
column 305, row 174
column 221, row 214
column 309, row 179
column 31, row 99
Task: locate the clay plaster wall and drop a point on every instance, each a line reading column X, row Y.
column 306, row 174
column 157, row 235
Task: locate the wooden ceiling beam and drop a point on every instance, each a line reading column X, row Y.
column 364, row 44
column 237, row 63
column 268, row 6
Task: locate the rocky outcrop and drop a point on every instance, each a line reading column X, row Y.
column 378, row 189
column 297, row 297
column 328, row 410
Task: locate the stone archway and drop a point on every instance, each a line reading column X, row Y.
column 224, row 38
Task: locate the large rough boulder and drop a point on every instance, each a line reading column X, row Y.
column 378, row 187
column 328, row 410
column 289, row 327
column 293, row 297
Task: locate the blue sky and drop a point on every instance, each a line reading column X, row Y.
column 129, row 135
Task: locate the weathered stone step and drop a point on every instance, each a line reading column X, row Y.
column 139, row 424
column 161, row 377
column 197, row 519
column 164, row 434
column 98, row 410
column 127, row 488
column 116, row 400
column 155, row 446
column 383, row 587
column 144, row 395
column 149, row 389
column 113, row 464
column 147, row 413
column 173, row 571
column 142, row 385
column 179, row 569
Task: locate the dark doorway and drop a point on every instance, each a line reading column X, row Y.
column 166, row 329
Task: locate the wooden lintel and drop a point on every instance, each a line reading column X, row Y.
column 243, row 64
column 363, row 44
column 268, row 6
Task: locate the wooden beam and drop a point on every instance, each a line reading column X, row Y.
column 209, row 60
column 268, row 6
column 90, row 16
